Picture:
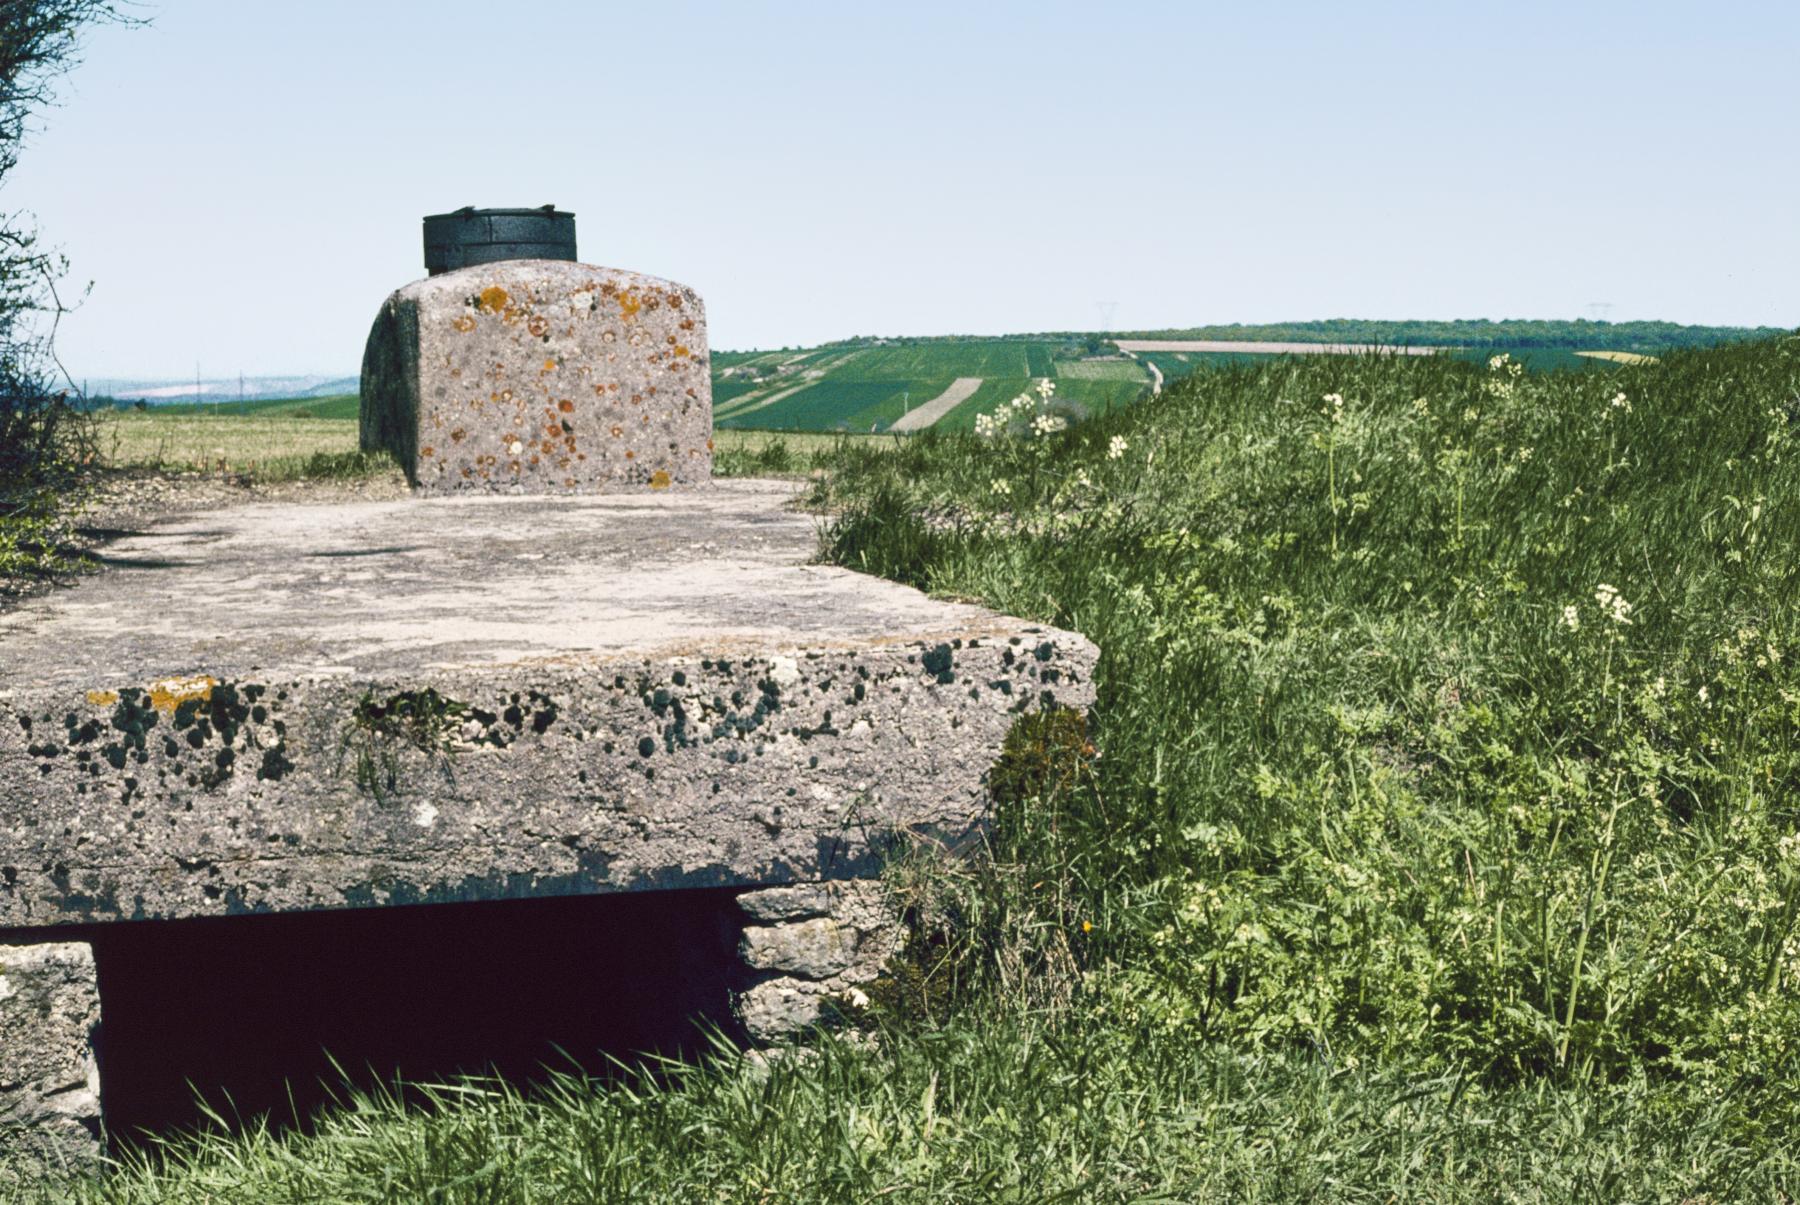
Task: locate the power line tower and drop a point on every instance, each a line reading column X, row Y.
column 1107, row 310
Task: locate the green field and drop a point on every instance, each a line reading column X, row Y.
column 282, row 441
column 863, row 388
column 865, row 385
column 343, row 405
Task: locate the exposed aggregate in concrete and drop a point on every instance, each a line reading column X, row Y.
column 541, row 376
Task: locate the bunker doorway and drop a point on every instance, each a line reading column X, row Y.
column 256, row 1015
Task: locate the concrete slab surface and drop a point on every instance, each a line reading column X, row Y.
column 282, row 706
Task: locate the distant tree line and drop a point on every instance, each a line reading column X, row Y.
column 1577, row 334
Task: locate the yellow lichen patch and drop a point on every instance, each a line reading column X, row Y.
column 103, row 698
column 681, row 350
column 629, row 304
column 659, row 480
column 494, row 299
column 549, row 366
column 171, row 693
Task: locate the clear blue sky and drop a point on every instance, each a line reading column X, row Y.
column 243, row 179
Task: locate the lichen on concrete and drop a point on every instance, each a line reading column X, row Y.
column 541, row 376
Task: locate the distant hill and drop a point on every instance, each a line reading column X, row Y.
column 159, row 392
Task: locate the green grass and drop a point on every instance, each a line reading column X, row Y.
column 1004, row 1112
column 278, row 442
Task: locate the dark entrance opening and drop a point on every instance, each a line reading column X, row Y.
column 258, row 1014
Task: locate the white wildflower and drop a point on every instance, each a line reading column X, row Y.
column 1115, row 448
column 1496, row 363
column 1705, row 695
column 1571, row 618
column 1048, row 424
column 1001, row 486
column 1613, row 603
column 987, row 426
column 1621, row 402
column 1046, row 387
column 1336, row 403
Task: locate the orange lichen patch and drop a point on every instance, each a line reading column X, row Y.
column 709, row 446
column 681, row 350
column 103, row 698
column 630, row 455
column 494, row 299
column 171, row 693
column 566, row 406
column 464, row 323
column 428, row 451
column 549, row 366
column 458, row 435
column 659, row 480
column 629, row 304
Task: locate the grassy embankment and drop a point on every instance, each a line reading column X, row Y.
column 1443, row 842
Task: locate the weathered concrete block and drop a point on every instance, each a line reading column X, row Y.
column 816, row 941
column 49, row 1083
column 540, row 376
column 281, row 708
